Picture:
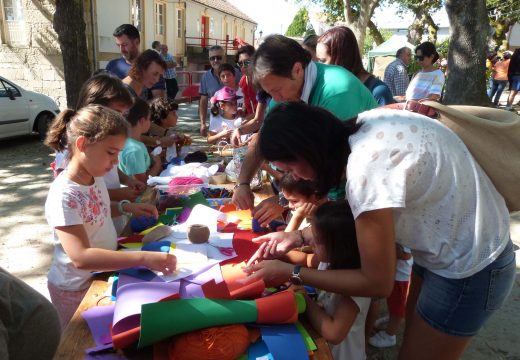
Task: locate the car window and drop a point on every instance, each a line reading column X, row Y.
column 5, row 86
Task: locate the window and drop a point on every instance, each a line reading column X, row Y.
column 159, row 19
column 137, row 14
column 211, row 26
column 179, row 23
column 7, row 90
column 13, row 23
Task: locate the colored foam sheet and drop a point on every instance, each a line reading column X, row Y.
column 279, row 308
column 235, row 279
column 307, row 339
column 130, row 298
column 139, row 273
column 99, row 320
column 130, row 239
column 191, row 286
column 194, row 199
column 159, row 246
column 124, row 279
column 280, row 338
column 165, row 319
column 259, row 350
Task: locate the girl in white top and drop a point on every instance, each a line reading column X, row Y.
column 413, row 181
column 339, row 319
column 224, row 115
column 427, row 84
column 78, row 208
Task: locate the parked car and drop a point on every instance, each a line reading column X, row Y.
column 24, row 112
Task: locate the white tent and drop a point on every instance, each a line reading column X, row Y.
column 388, row 48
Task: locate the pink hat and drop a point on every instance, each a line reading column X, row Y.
column 225, row 94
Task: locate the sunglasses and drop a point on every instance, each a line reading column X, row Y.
column 244, row 63
column 215, row 58
column 419, row 57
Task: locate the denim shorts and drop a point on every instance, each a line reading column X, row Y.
column 460, row 307
column 515, row 82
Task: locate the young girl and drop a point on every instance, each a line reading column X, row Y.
column 78, row 208
column 134, row 160
column 339, row 319
column 224, row 116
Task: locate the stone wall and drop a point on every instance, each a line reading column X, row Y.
column 37, row 66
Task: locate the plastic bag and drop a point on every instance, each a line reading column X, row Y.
column 239, row 154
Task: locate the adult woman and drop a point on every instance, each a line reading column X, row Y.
column 409, row 180
column 499, row 78
column 338, row 46
column 243, row 60
column 145, row 71
column 427, row 84
column 513, row 74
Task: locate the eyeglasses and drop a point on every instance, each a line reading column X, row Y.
column 419, row 57
column 215, row 58
column 244, row 63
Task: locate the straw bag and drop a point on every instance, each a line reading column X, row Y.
column 493, row 138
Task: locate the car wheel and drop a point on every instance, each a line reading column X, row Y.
column 42, row 124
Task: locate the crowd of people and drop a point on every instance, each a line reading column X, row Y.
column 505, row 70
column 371, row 191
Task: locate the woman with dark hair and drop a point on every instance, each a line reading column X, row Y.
column 412, row 181
column 427, row 84
column 338, row 46
column 146, row 70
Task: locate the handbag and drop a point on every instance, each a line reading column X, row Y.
column 493, row 138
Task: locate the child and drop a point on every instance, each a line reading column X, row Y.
column 226, row 74
column 224, row 116
column 340, row 319
column 134, row 160
column 78, row 208
column 396, row 303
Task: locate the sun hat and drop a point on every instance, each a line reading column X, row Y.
column 225, row 94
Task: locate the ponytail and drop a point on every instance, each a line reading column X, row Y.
column 215, row 110
column 57, row 134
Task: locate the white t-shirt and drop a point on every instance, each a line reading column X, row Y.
column 353, row 346
column 69, row 203
column 424, row 84
column 218, row 123
column 403, row 268
column 446, row 210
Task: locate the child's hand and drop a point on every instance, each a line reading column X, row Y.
column 135, row 184
column 129, row 193
column 160, row 261
column 235, row 138
column 138, row 209
column 305, row 211
column 226, row 133
column 273, row 272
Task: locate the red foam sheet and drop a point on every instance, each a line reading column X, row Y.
column 126, row 338
column 279, row 308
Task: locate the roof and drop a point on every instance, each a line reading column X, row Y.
column 225, row 7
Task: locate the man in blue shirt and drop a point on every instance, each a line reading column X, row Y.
column 127, row 40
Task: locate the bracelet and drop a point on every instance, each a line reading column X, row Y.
column 240, row 184
column 120, row 207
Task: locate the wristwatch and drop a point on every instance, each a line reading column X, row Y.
column 295, row 276
column 120, row 207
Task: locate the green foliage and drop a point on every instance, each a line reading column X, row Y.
column 442, row 48
column 369, row 40
column 299, row 24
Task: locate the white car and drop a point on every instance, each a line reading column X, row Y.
column 24, row 112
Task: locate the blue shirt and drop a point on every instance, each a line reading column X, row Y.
column 134, row 158
column 379, row 90
column 169, row 73
column 118, row 67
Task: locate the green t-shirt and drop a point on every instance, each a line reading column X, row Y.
column 134, row 159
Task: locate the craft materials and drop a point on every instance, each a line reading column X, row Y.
column 141, row 223
column 156, row 151
column 216, row 343
column 157, row 233
column 257, row 227
column 198, row 233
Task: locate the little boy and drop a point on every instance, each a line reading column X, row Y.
column 226, row 74
column 134, row 160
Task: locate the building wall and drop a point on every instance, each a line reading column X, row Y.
column 37, row 65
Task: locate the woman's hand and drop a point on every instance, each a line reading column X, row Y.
column 272, row 272
column 138, row 209
column 275, row 245
column 267, row 211
column 135, row 184
column 243, row 197
column 160, row 261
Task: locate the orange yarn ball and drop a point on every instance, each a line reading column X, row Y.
column 216, row 343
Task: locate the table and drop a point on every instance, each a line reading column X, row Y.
column 76, row 336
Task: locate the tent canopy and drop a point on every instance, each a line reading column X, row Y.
column 388, row 48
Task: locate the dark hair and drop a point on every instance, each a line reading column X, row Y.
column 296, row 131
column 302, row 187
column 277, row 56
column 103, row 89
column 215, row 48
column 342, row 47
column 143, row 61
column 401, row 51
column 310, row 41
column 128, row 30
column 225, row 67
column 335, row 229
column 155, row 43
column 95, row 122
column 428, row 49
column 246, row 49
column 160, row 108
column 140, row 110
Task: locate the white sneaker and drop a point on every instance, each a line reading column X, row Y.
column 382, row 340
column 381, row 322
column 508, row 108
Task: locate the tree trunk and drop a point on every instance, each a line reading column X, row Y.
column 432, row 28
column 70, row 26
column 376, row 34
column 416, row 30
column 358, row 24
column 466, row 83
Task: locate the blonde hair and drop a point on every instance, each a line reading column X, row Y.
column 94, row 122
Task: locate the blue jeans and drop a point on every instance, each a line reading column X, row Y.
column 496, row 87
column 460, row 307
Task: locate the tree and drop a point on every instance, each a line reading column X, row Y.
column 502, row 14
column 422, row 10
column 299, row 24
column 467, row 52
column 69, row 24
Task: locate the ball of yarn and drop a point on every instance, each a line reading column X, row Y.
column 215, row 343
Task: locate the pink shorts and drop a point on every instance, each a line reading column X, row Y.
column 396, row 302
column 66, row 302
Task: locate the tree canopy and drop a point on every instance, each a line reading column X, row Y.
column 298, row 26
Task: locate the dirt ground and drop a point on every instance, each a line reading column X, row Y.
column 26, row 247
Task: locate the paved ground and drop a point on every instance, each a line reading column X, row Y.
column 26, row 249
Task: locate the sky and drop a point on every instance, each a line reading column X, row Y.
column 274, row 16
